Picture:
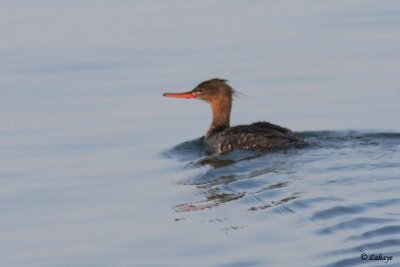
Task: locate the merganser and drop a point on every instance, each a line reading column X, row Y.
column 221, row 138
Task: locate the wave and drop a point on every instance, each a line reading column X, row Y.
column 243, row 175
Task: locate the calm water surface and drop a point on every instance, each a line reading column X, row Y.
column 97, row 169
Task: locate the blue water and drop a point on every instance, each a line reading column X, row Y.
column 98, row 169
column 338, row 196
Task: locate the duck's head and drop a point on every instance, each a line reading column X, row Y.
column 211, row 91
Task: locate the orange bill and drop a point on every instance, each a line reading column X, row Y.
column 189, row 94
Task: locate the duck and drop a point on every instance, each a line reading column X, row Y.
column 221, row 137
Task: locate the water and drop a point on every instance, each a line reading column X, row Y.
column 97, row 169
column 337, row 197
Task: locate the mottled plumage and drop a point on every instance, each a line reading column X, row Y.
column 262, row 136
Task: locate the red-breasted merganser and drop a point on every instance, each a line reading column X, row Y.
column 220, row 137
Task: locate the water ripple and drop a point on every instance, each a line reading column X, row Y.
column 343, row 186
column 355, row 223
column 387, row 230
column 337, row 211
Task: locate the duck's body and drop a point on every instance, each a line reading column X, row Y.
column 220, row 137
column 262, row 136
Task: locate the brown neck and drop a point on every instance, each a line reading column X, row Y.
column 221, row 112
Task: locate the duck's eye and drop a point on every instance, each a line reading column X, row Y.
column 200, row 90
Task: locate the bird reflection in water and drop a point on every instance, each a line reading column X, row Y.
column 239, row 176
